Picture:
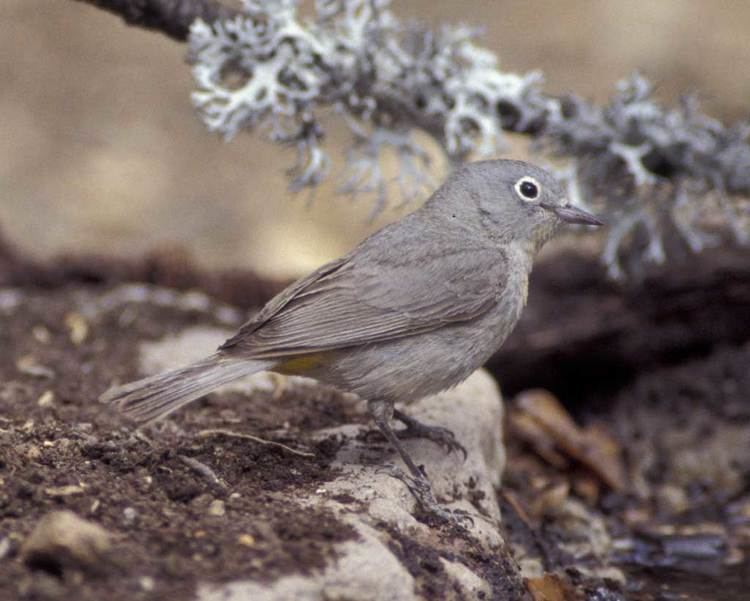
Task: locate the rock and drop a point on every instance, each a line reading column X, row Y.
column 471, row 585
column 217, row 508
column 582, row 532
column 129, row 514
column 40, row 585
column 78, row 327
column 5, row 547
column 365, row 570
column 46, row 399
column 146, row 583
column 28, row 365
column 473, row 412
column 62, row 539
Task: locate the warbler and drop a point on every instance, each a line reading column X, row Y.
column 412, row 310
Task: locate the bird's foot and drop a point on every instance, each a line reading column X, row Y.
column 437, row 434
column 421, row 489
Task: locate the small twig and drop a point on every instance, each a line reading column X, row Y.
column 229, row 433
column 203, row 470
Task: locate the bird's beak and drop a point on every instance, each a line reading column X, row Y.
column 571, row 214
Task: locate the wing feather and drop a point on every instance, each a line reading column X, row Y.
column 365, row 298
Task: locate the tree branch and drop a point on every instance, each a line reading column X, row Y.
column 661, row 176
column 170, row 17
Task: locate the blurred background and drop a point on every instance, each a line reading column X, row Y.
column 101, row 151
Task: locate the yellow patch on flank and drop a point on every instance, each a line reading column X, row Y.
column 300, row 365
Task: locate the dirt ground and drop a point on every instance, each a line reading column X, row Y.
column 61, row 449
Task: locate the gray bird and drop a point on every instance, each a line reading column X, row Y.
column 413, row 310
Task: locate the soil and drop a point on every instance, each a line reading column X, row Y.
column 143, row 489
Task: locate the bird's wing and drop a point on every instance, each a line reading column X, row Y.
column 358, row 300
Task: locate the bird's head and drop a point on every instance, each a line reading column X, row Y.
column 518, row 201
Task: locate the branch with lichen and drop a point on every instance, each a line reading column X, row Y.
column 659, row 175
column 171, row 17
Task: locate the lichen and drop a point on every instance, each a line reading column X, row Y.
column 650, row 171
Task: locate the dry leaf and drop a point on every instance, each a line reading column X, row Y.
column 550, row 498
column 587, row 487
column 541, row 420
column 605, row 456
column 528, row 429
column 549, row 587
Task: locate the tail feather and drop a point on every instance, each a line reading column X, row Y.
column 155, row 397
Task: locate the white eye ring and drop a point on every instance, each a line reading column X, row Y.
column 528, row 189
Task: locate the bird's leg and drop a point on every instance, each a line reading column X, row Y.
column 416, row 429
column 418, row 483
column 381, row 413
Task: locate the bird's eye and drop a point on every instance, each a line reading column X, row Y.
column 527, row 188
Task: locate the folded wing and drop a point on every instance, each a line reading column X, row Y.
column 363, row 299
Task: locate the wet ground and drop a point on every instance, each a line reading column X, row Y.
column 720, row 584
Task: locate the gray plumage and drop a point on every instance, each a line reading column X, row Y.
column 414, row 309
column 154, row 398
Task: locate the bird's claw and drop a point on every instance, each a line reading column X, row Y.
column 421, row 489
column 442, row 437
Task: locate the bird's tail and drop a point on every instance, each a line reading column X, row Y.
column 155, row 397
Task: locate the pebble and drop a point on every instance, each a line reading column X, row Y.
column 217, row 508
column 64, row 491
column 78, row 328
column 5, row 547
column 33, row 453
column 28, row 365
column 41, row 334
column 46, row 399
column 61, row 539
column 129, row 513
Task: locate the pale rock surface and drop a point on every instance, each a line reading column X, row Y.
column 365, row 570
